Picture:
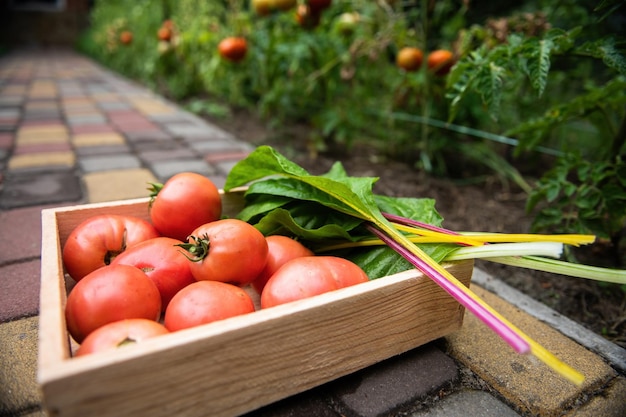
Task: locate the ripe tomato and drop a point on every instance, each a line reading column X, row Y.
column 228, row 250
column 186, row 201
column 233, row 48
column 98, row 240
column 163, row 262
column 126, row 37
column 164, row 33
column 440, row 61
column 280, row 249
column 120, row 333
column 317, row 6
column 409, row 58
column 205, row 302
column 108, row 294
column 308, row 276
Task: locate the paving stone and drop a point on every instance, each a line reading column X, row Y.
column 167, row 155
column 89, row 151
column 108, row 162
column 117, row 185
column 522, row 379
column 468, row 403
column 396, row 382
column 611, row 402
column 218, row 146
column 97, row 139
column 165, row 169
column 20, row 288
column 197, row 132
column 21, row 222
column 30, row 189
column 42, row 148
column 18, row 356
column 81, row 129
column 149, row 136
column 44, row 159
column 312, row 403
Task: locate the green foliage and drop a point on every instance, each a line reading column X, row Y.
column 582, row 197
column 543, row 77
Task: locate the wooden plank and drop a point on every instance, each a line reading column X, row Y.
column 236, row 365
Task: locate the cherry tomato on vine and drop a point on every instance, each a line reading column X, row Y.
column 204, row 302
column 440, row 61
column 186, row 201
column 308, row 276
column 227, row 250
column 119, row 334
column 280, row 249
column 163, row 262
column 233, row 48
column 126, row 37
column 409, row 58
column 96, row 241
column 108, row 294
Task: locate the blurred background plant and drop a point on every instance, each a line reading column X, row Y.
column 532, row 92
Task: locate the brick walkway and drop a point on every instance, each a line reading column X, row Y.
column 72, row 132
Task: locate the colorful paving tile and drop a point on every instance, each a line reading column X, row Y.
column 39, row 160
column 97, row 139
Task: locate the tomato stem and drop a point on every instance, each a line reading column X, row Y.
column 199, row 249
column 154, row 189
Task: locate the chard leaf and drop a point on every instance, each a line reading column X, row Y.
column 421, row 209
column 381, row 261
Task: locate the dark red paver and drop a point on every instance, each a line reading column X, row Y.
column 19, row 290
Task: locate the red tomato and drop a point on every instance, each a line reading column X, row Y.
column 409, row 58
column 308, row 276
column 163, row 262
column 185, row 202
column 227, row 250
column 205, row 302
column 126, row 37
column 280, row 249
column 120, row 333
column 98, row 240
column 233, row 48
column 108, row 294
column 440, row 61
column 317, row 6
column 164, row 33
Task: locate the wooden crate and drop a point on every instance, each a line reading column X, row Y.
column 236, row 365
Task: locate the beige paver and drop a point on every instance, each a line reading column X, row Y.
column 18, row 356
column 150, row 106
column 33, row 160
column 97, row 139
column 610, row 402
column 118, row 185
column 523, row 380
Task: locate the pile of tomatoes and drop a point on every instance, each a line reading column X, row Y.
column 187, row 266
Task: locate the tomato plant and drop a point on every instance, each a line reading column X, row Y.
column 233, row 48
column 227, row 250
column 280, row 249
column 204, row 302
column 108, row 294
column 307, row 276
column 440, row 61
column 120, row 333
column 186, row 201
column 409, row 58
column 95, row 242
column 163, row 262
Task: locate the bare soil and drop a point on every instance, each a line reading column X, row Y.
column 486, row 206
